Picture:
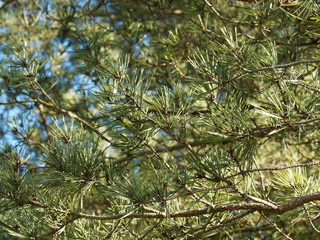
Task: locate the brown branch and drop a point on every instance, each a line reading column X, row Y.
column 223, row 224
column 55, row 231
column 271, row 68
column 150, row 230
column 42, row 11
column 257, row 132
column 170, row 149
column 273, row 224
column 44, row 119
column 310, row 219
column 31, row 142
column 295, row 203
column 53, row 104
column 99, row 4
column 305, row 86
column 12, row 229
column 75, row 116
column 274, row 168
column 113, row 230
column 218, row 14
column 17, row 102
column 215, row 208
column 7, row 3
column 187, row 194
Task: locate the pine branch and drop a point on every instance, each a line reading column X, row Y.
column 218, row 14
column 187, row 194
column 265, row 206
column 73, row 115
column 274, row 168
column 286, row 65
column 260, row 132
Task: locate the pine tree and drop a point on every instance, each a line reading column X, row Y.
column 151, row 119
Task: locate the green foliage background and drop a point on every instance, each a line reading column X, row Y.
column 159, row 119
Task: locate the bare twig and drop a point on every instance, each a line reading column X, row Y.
column 310, row 219
column 113, row 230
column 41, row 10
column 275, row 226
column 218, row 14
column 150, row 230
column 223, row 224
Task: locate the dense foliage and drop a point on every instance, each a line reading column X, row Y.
column 159, row 119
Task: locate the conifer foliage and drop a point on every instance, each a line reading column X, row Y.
column 159, row 119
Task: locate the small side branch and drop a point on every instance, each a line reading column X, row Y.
column 271, row 68
column 274, row 168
